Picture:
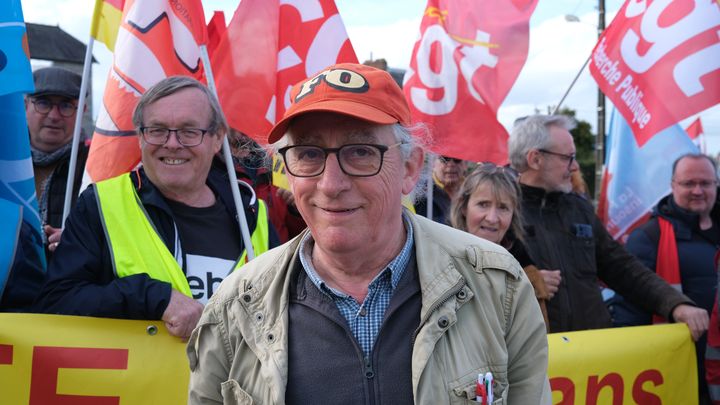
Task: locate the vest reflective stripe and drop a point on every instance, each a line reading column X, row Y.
column 135, row 246
column 260, row 238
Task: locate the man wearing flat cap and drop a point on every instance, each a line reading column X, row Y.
column 51, row 112
column 370, row 304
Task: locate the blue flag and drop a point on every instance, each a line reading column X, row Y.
column 637, row 177
column 15, row 72
column 17, row 184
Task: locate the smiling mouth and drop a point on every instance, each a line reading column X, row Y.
column 173, row 162
column 338, row 210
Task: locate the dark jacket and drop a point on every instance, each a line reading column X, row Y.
column 441, row 206
column 58, row 182
column 81, row 280
column 696, row 255
column 563, row 232
column 27, row 273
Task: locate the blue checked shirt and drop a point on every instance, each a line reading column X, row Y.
column 365, row 318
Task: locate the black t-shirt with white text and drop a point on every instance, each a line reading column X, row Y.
column 211, row 241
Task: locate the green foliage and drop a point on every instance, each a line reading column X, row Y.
column 585, row 145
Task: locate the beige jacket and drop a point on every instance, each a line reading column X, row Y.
column 479, row 314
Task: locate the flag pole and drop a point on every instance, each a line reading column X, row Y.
column 87, row 64
column 429, row 188
column 244, row 228
column 577, row 76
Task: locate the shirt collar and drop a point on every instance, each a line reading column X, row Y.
column 396, row 267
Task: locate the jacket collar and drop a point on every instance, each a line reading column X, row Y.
column 217, row 181
column 686, row 222
column 539, row 196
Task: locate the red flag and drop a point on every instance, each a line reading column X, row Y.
column 659, row 62
column 269, row 47
column 467, row 58
column 695, row 129
column 157, row 39
column 216, row 30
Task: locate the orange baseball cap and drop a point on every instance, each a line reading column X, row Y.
column 359, row 91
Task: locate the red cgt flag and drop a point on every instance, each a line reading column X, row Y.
column 157, row 39
column 659, row 62
column 268, row 47
column 466, row 61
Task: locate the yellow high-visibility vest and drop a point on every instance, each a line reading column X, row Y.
column 136, row 247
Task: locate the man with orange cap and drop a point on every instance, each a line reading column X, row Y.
column 371, row 304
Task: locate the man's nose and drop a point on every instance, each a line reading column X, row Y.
column 333, row 180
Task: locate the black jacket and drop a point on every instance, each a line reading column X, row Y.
column 563, row 232
column 696, row 255
column 441, row 206
column 58, row 182
column 80, row 277
column 27, row 273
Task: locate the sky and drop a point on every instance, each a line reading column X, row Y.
column 389, row 28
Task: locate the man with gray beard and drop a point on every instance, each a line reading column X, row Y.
column 563, row 233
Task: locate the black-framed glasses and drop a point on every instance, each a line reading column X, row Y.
column 357, row 159
column 158, row 136
column 448, row 159
column 492, row 168
column 569, row 158
column 44, row 106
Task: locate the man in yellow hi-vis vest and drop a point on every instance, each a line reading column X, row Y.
column 155, row 243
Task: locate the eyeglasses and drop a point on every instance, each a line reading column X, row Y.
column 691, row 184
column 447, row 159
column 569, row 158
column 186, row 136
column 358, row 160
column 44, row 106
column 492, row 168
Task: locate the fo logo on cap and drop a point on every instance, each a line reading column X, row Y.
column 339, row 79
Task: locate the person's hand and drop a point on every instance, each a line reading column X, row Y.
column 552, row 280
column 53, row 237
column 181, row 315
column 286, row 196
column 696, row 319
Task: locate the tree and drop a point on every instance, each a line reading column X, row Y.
column 585, row 145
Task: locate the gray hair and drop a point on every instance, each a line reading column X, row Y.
column 172, row 85
column 533, row 133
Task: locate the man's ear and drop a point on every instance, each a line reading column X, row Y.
column 220, row 140
column 533, row 159
column 413, row 168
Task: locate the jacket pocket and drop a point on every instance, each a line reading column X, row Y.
column 584, row 255
column 464, row 393
column 234, row 395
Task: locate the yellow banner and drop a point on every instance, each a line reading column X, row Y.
column 645, row 365
column 52, row 359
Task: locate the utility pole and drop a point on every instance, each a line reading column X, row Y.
column 600, row 140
